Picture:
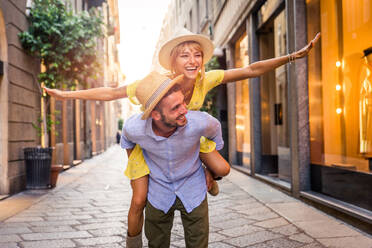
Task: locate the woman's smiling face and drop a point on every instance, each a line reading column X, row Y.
column 188, row 60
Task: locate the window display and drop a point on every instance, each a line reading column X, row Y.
column 340, row 84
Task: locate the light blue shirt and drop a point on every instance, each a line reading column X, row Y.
column 175, row 167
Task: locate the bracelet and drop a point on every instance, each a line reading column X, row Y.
column 291, row 58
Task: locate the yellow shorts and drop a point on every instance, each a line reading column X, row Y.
column 137, row 166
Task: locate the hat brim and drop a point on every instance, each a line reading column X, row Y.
column 166, row 49
column 147, row 111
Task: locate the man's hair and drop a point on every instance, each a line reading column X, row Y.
column 173, row 89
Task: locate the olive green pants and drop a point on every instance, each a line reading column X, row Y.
column 158, row 225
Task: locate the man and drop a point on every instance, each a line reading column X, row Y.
column 169, row 136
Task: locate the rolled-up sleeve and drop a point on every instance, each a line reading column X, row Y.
column 213, row 131
column 125, row 143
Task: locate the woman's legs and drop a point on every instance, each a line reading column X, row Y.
column 137, row 205
column 218, row 166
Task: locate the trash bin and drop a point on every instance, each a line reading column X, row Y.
column 38, row 165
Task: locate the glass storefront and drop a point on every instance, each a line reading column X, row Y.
column 340, row 99
column 274, row 97
column 339, row 90
column 242, row 117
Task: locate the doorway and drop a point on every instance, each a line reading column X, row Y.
column 274, row 101
column 4, row 181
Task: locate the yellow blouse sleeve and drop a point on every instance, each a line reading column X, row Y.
column 131, row 93
column 213, row 78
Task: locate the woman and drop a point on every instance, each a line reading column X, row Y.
column 185, row 54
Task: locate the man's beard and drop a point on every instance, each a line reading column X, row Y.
column 168, row 123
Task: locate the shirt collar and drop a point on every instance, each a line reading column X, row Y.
column 149, row 132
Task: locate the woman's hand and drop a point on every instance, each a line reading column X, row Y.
column 58, row 94
column 305, row 50
column 208, row 178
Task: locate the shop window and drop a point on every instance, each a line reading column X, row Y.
column 274, row 97
column 340, row 90
column 340, row 95
column 243, row 132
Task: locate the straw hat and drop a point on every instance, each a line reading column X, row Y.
column 181, row 36
column 151, row 89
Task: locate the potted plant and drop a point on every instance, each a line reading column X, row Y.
column 66, row 45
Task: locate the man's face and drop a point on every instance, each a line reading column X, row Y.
column 173, row 110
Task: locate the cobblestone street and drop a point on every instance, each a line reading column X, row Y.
column 89, row 207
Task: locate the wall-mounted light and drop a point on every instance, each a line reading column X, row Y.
column 338, row 64
column 338, row 87
column 338, row 110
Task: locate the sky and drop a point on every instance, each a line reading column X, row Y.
column 140, row 24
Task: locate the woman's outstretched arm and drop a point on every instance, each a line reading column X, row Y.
column 98, row 94
column 258, row 68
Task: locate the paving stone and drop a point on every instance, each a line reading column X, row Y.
column 252, row 238
column 64, row 243
column 263, row 216
column 286, row 230
column 99, row 225
column 14, row 230
column 114, row 209
column 60, row 213
column 272, row 223
column 278, row 243
column 9, row 245
column 99, row 240
column 226, row 217
column 109, row 231
column 347, row 242
column 298, row 211
column 101, row 220
column 109, row 215
column 113, row 245
column 54, row 223
column 313, row 245
column 249, row 207
column 44, row 229
column 70, row 217
column 14, row 224
column 301, row 237
column 91, row 212
column 254, row 211
column 58, row 235
column 231, row 223
column 215, row 237
column 220, row 245
column 326, row 229
column 239, row 231
column 24, row 219
column 9, row 238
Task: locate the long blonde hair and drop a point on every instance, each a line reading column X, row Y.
column 178, row 49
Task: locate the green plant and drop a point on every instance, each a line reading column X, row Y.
column 49, row 123
column 210, row 98
column 66, row 43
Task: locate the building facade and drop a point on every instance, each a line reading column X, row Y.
column 303, row 127
column 85, row 128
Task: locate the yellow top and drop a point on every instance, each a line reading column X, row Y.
column 137, row 166
column 201, row 88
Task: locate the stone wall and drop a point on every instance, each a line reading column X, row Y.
column 23, row 97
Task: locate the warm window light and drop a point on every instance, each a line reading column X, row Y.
column 338, row 110
column 338, row 87
column 338, row 64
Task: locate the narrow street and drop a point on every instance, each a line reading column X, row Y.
column 89, row 207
